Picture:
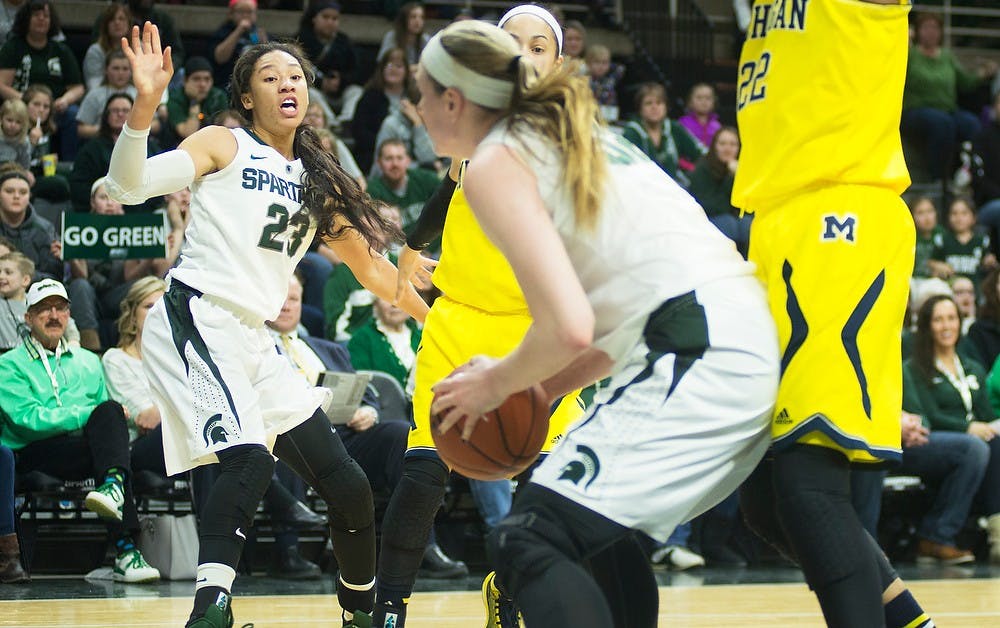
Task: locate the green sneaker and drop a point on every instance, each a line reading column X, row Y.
column 360, row 620
column 500, row 610
column 131, row 567
column 218, row 615
column 106, row 500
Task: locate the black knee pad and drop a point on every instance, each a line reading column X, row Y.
column 525, row 545
column 348, row 496
column 414, row 503
column 812, row 485
column 245, row 471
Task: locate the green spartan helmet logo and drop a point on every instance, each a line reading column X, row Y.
column 584, row 469
column 215, row 432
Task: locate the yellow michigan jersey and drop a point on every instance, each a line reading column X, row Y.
column 820, row 91
column 820, row 94
column 482, row 312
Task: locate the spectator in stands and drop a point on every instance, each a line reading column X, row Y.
column 377, row 446
column 196, row 103
column 31, row 55
column 59, row 421
column 383, row 93
column 387, row 343
column 236, row 34
column 113, row 24
column 604, row 79
column 982, row 340
column 333, row 53
column 16, row 271
column 6, row 246
column 32, row 235
column 964, row 293
column 986, row 173
column 574, row 40
column 14, row 145
column 930, row 96
column 407, row 33
column 117, row 80
column 948, row 389
column 963, row 250
column 700, row 119
column 712, row 185
column 95, row 156
column 126, row 381
column 663, row 140
column 406, row 124
column 928, row 232
column 398, row 184
column 11, row 570
column 143, row 11
column 49, row 184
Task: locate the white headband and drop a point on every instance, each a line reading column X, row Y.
column 539, row 12
column 482, row 90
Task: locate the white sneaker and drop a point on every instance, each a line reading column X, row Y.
column 132, row 567
column 677, row 557
column 106, row 500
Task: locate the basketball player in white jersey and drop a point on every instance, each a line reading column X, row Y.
column 259, row 194
column 624, row 276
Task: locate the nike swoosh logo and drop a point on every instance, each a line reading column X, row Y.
column 240, row 534
column 201, row 580
column 258, row 156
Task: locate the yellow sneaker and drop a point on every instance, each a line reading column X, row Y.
column 500, row 609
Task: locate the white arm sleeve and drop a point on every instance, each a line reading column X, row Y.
column 132, row 178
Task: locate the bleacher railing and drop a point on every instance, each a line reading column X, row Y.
column 674, row 37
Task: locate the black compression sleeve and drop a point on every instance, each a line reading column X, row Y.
column 430, row 224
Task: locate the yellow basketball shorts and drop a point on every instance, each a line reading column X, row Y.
column 836, row 263
column 454, row 333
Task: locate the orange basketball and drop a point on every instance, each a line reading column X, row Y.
column 503, row 444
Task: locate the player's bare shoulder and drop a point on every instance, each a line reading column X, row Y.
column 212, row 148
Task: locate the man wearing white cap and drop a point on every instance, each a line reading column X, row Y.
column 58, row 420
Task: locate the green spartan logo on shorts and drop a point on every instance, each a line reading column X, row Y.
column 214, row 431
column 584, row 469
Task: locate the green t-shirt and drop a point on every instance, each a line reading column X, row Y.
column 178, row 106
column 965, row 258
column 935, row 81
column 54, row 65
column 925, row 252
column 420, row 186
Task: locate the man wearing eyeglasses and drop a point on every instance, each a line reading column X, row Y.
column 58, row 420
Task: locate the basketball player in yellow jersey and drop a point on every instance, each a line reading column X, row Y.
column 481, row 312
column 819, row 100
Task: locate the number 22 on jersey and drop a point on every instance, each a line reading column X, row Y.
column 753, row 80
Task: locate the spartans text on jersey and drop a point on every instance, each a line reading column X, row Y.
column 262, row 180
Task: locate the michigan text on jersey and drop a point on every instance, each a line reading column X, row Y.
column 781, row 14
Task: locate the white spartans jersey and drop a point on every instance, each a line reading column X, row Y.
column 652, row 240
column 247, row 232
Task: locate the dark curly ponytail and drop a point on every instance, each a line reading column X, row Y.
column 326, row 189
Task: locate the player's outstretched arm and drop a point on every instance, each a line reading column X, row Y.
column 375, row 272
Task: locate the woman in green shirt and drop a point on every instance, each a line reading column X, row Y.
column 665, row 141
column 930, row 96
column 949, row 391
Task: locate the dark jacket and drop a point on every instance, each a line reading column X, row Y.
column 91, row 164
column 982, row 342
column 34, row 238
column 986, row 176
column 335, row 358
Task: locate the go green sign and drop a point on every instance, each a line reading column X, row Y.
column 129, row 236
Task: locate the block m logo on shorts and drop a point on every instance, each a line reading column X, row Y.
column 837, row 228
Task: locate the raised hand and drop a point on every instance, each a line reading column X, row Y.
column 152, row 66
